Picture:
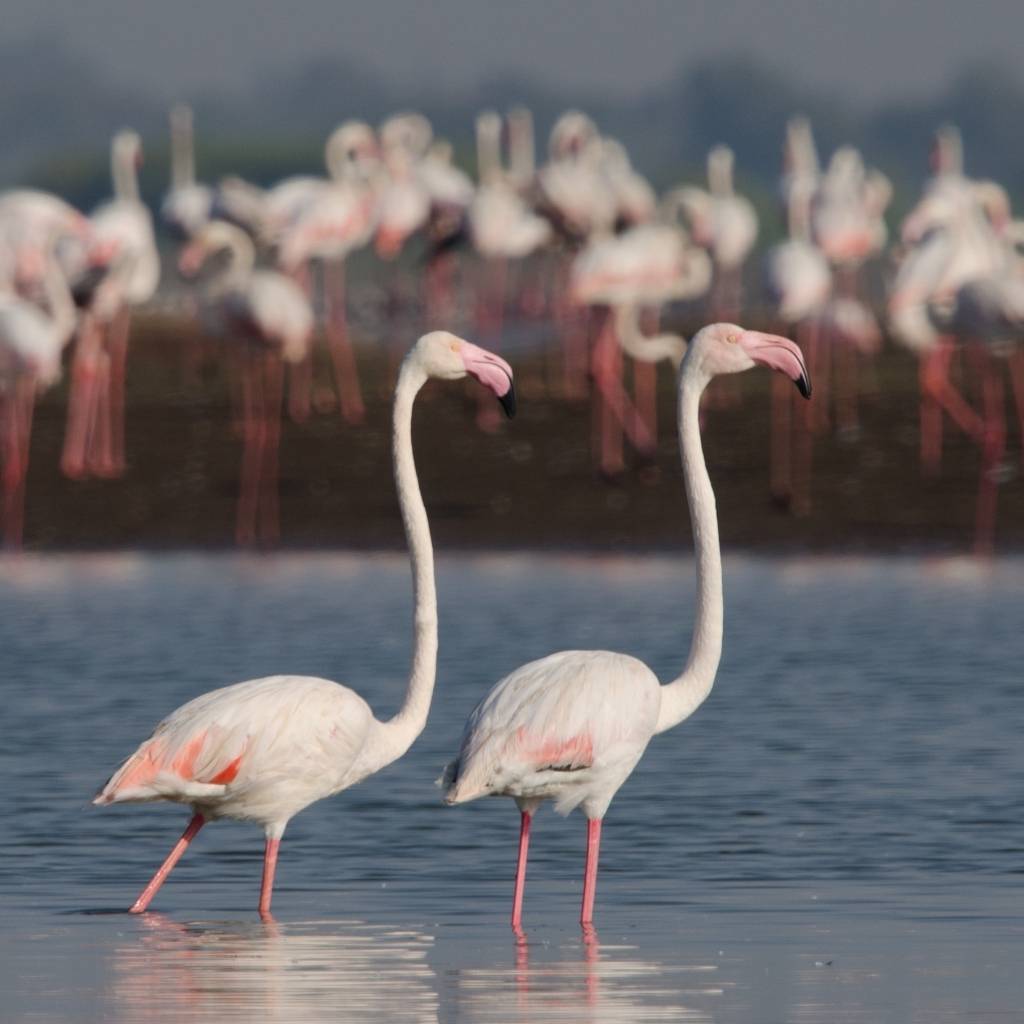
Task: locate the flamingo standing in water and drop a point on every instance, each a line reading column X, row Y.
column 270, row 315
column 265, row 749
column 122, row 231
column 32, row 339
column 572, row 726
column 187, row 205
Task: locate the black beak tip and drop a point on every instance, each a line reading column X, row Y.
column 508, row 402
column 804, row 385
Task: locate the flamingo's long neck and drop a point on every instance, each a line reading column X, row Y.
column 681, row 697
column 183, row 166
column 126, row 182
column 400, row 731
column 646, row 348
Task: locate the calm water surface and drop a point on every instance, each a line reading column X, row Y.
column 837, row 835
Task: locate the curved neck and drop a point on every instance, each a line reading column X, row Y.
column 646, row 348
column 239, row 265
column 401, row 730
column 681, row 697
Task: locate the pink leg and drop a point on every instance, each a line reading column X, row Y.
column 802, row 435
column 23, row 402
column 252, row 450
column 488, row 418
column 781, row 457
column 930, row 418
column 300, row 389
column 81, row 400
column 590, row 871
column 343, row 358
column 12, row 470
column 524, row 847
column 269, row 868
column 269, row 525
column 993, row 449
column 146, row 897
column 1016, row 367
column 118, row 351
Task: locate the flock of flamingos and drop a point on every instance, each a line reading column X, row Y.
column 581, row 239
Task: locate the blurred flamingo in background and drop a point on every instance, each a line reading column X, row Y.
column 264, row 750
column 187, row 204
column 32, row 340
column 571, row 727
column 122, row 248
column 267, row 317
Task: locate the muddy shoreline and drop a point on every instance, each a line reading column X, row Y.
column 531, row 485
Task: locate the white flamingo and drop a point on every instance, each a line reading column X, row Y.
column 263, row 750
column 187, row 205
column 32, row 339
column 268, row 314
column 572, row 726
column 122, row 230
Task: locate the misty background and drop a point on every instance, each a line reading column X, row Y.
column 269, row 81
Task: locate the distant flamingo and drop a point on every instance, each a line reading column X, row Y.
column 265, row 749
column 647, row 265
column 270, row 317
column 571, row 727
column 32, row 339
column 122, row 229
column 336, row 218
column 187, row 204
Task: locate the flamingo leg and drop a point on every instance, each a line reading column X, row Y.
column 147, row 894
column 343, row 358
column 802, row 435
column 782, row 441
column 487, row 416
column 1016, row 367
column 590, row 871
column 22, row 403
column 993, row 448
column 117, row 349
column 269, row 870
column 525, row 818
column 273, row 394
column 252, row 450
column 84, row 382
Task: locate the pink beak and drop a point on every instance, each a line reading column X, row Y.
column 493, row 372
column 780, row 354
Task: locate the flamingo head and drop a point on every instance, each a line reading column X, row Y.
column 727, row 348
column 448, row 357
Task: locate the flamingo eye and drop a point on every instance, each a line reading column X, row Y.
column 454, row 346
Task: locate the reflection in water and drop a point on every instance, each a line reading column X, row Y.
column 587, row 982
column 309, row 971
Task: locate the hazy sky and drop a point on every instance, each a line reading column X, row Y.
column 863, row 48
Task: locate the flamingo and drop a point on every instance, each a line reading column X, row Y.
column 649, row 264
column 32, row 339
column 122, row 228
column 269, row 313
column 265, row 749
column 572, row 726
column 187, row 204
column 334, row 218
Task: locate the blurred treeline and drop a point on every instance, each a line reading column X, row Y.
column 57, row 113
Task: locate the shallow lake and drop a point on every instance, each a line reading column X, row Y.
column 837, row 834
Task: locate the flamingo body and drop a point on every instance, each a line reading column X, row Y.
column 259, row 751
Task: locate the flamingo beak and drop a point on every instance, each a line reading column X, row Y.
column 493, row 372
column 778, row 353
